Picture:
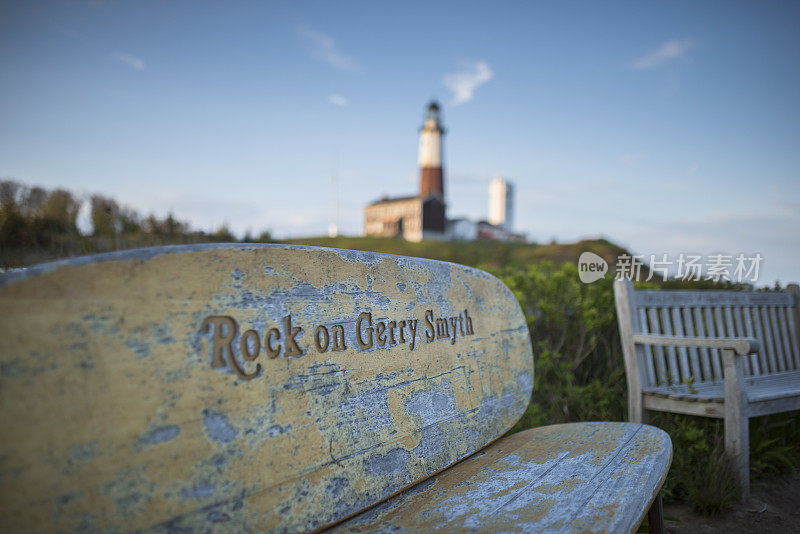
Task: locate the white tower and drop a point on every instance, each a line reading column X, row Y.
column 501, row 203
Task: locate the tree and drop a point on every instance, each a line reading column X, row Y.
column 60, row 212
column 104, row 215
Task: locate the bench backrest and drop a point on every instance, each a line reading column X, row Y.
column 247, row 387
column 769, row 316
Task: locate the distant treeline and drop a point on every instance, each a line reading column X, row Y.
column 37, row 224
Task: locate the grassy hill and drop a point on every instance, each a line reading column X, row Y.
column 490, row 253
column 486, row 253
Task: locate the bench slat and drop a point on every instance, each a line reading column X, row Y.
column 647, row 351
column 705, row 358
column 775, row 329
column 792, row 319
column 694, row 355
column 716, row 359
column 683, row 357
column 658, row 351
column 760, row 359
column 787, row 346
column 712, row 298
column 672, row 355
column 759, row 389
column 767, row 339
column 583, row 477
column 749, row 368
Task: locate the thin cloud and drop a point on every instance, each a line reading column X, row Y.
column 464, row 83
column 324, row 48
column 132, row 61
column 672, row 49
column 337, row 100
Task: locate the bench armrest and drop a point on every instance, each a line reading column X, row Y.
column 740, row 345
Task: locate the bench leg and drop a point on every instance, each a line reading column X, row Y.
column 737, row 445
column 655, row 516
column 636, row 411
column 737, row 428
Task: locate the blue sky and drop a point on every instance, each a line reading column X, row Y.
column 666, row 127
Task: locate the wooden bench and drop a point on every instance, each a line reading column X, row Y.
column 280, row 388
column 725, row 354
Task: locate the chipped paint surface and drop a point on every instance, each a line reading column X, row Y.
column 582, row 477
column 113, row 416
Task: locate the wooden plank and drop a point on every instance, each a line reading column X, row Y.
column 584, row 477
column 721, row 331
column 784, row 330
column 683, row 358
column 628, row 321
column 771, row 406
column 737, row 433
column 658, row 351
column 742, row 345
column 758, row 333
column 733, row 330
column 705, row 359
column 694, row 358
column 794, row 320
column 791, row 318
column 716, row 359
column 712, row 298
column 740, row 332
column 775, row 386
column 672, row 359
column 749, row 331
column 768, row 344
column 776, row 339
column 647, row 351
column 134, row 397
column 703, row 409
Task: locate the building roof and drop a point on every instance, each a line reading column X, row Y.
column 389, row 200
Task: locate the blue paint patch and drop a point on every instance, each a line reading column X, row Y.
column 83, row 452
column 336, row 486
column 64, row 500
column 525, row 381
column 160, row 435
column 166, row 340
column 200, row 491
column 431, row 443
column 432, row 406
column 217, row 427
column 218, row 517
column 393, row 463
column 277, row 430
column 139, row 347
column 472, row 435
column 357, row 256
column 401, row 287
column 237, row 274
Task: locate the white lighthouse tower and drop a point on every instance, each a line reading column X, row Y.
column 501, row 203
column 430, row 154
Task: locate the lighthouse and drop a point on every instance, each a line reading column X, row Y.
column 430, row 154
column 422, row 216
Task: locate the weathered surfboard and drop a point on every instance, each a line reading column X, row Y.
column 258, row 387
column 577, row 477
